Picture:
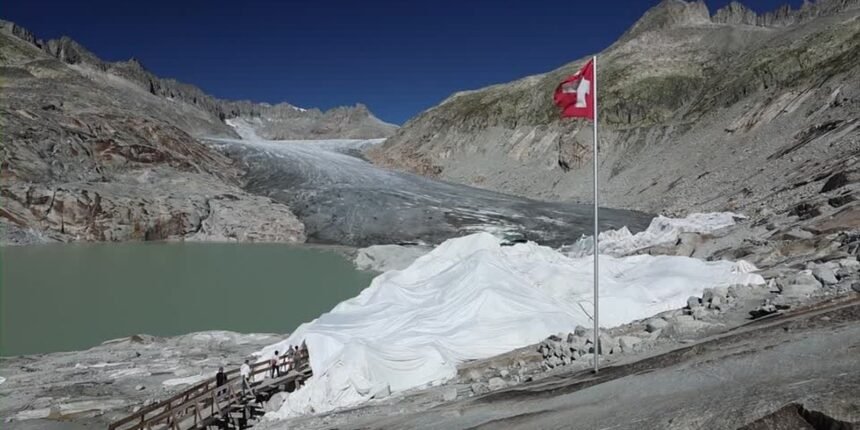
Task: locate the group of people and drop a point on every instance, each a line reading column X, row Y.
column 289, row 360
column 279, row 363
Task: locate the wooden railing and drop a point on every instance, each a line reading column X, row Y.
column 192, row 407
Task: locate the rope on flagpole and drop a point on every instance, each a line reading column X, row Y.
column 597, row 345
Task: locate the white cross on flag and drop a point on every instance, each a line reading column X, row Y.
column 575, row 94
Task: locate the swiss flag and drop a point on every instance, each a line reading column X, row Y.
column 575, row 94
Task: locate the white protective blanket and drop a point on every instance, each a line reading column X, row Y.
column 473, row 298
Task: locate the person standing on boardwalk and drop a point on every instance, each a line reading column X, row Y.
column 220, row 377
column 245, row 373
column 291, row 356
column 273, row 362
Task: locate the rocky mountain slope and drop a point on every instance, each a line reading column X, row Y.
column 96, row 150
column 89, row 155
column 733, row 111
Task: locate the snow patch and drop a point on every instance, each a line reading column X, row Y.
column 472, row 298
column 126, row 373
column 33, row 414
column 188, row 380
column 245, row 128
column 99, row 365
column 662, row 230
column 383, row 258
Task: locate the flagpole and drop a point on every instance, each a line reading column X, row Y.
column 597, row 345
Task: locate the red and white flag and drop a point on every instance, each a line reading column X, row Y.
column 575, row 94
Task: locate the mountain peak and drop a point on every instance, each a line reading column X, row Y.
column 669, row 14
column 17, row 31
column 735, row 13
column 69, row 51
column 136, row 63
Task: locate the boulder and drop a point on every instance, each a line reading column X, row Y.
column 737, row 291
column 681, row 319
column 699, row 313
column 694, row 302
column 655, row 324
column 578, row 344
column 684, row 326
column 856, row 287
column 825, row 275
column 849, row 263
column 716, row 302
column 449, row 394
column 474, row 375
column 607, row 344
column 497, row 383
column 480, row 388
column 629, row 343
column 803, row 284
column 560, row 350
column 580, row 331
column 707, row 295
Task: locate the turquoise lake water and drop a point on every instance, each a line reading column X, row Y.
column 74, row 296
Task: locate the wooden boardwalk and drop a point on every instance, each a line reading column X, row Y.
column 206, row 405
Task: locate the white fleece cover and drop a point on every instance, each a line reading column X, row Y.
column 662, row 230
column 473, row 298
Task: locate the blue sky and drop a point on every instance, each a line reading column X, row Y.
column 397, row 57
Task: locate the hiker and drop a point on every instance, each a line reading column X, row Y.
column 273, row 362
column 291, row 356
column 303, row 352
column 245, row 373
column 220, row 377
column 285, row 361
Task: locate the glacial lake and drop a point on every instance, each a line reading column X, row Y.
column 74, row 296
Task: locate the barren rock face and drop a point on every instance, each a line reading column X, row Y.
column 734, row 112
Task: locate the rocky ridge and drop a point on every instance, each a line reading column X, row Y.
column 737, row 13
column 284, row 121
column 280, row 121
column 698, row 112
